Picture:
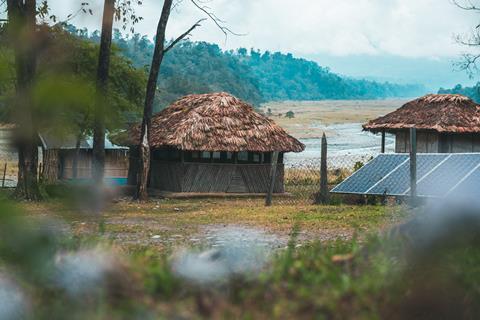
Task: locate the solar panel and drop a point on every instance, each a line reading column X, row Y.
column 371, row 173
column 469, row 185
column 398, row 182
column 437, row 175
column 448, row 175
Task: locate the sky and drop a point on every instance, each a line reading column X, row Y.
column 395, row 40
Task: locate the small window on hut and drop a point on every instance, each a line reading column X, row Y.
column 243, row 156
column 257, row 157
column 195, row 155
column 206, row 155
column 267, row 157
column 225, row 157
column 174, row 155
column 216, row 155
column 160, row 155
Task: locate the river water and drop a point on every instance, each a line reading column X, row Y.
column 345, row 140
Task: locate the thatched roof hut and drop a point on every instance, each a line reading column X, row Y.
column 62, row 161
column 217, row 122
column 445, row 122
column 213, row 143
column 452, row 113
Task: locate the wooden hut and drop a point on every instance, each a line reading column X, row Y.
column 445, row 123
column 59, row 155
column 213, row 143
column 7, row 151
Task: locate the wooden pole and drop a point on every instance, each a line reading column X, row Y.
column 383, row 141
column 323, row 173
column 273, row 173
column 413, row 165
column 4, row 174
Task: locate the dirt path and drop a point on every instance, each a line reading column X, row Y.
column 168, row 224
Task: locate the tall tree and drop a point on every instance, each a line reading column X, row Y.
column 22, row 29
column 102, row 83
column 157, row 59
column 144, row 147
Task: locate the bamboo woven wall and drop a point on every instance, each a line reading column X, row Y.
column 214, row 178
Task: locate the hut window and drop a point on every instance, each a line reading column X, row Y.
column 206, row 155
column 229, row 155
column 243, row 156
column 267, row 157
column 195, row 155
column 256, row 157
column 174, row 154
column 216, row 155
column 160, row 154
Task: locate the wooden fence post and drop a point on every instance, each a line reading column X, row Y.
column 323, row 194
column 4, row 175
column 383, row 141
column 413, row 165
column 273, row 178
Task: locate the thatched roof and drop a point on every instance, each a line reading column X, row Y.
column 440, row 112
column 216, row 122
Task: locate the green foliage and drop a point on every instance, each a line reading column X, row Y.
column 290, row 114
column 64, row 92
column 358, row 165
column 159, row 279
column 7, row 72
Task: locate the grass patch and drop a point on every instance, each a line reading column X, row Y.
column 162, row 226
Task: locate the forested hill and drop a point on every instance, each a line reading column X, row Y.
column 199, row 67
column 471, row 92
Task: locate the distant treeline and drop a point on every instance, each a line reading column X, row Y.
column 200, row 67
column 471, row 92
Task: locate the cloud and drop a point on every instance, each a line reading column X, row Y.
column 408, row 28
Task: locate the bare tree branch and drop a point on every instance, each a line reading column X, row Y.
column 469, row 6
column 176, row 4
column 183, row 35
column 468, row 61
column 218, row 22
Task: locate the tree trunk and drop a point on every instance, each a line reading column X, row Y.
column 76, row 156
column 98, row 165
column 22, row 28
column 144, row 147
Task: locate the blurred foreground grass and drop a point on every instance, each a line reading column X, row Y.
column 57, row 263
